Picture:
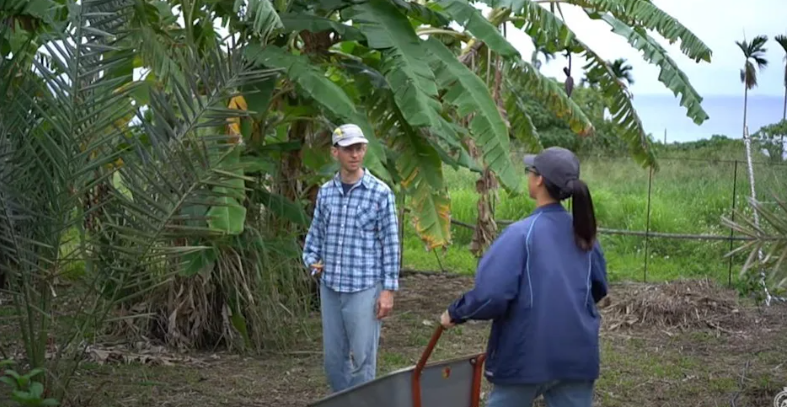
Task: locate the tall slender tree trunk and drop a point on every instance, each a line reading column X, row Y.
column 745, row 106
column 784, row 114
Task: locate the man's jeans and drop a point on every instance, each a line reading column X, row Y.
column 557, row 394
column 350, row 326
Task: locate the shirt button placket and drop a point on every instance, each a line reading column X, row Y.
column 342, row 231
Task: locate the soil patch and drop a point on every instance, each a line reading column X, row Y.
column 683, row 343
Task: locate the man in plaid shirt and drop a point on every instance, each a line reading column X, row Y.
column 353, row 245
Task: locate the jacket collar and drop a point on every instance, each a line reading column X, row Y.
column 553, row 207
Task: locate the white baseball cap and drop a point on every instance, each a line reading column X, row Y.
column 348, row 134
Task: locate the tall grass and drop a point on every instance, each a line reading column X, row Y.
column 689, row 195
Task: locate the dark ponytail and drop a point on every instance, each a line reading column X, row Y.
column 582, row 209
column 583, row 214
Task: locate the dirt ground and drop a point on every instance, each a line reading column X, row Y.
column 681, row 344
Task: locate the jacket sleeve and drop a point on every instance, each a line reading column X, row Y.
column 497, row 279
column 598, row 274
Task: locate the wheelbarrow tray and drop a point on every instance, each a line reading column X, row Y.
column 454, row 382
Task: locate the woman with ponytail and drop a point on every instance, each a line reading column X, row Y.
column 539, row 283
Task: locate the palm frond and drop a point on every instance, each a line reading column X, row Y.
column 749, row 75
column 744, row 47
column 782, row 41
column 59, row 131
column 758, row 44
column 760, row 61
column 770, row 237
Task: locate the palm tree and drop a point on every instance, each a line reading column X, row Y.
column 782, row 40
column 754, row 53
column 622, row 70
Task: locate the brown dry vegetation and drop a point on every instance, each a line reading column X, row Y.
column 687, row 343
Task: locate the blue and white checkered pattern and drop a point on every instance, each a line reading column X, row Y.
column 355, row 235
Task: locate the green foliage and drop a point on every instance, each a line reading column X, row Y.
column 465, row 14
column 154, row 212
column 176, row 201
column 470, row 95
column 771, row 138
column 691, row 194
column 313, row 83
column 26, row 390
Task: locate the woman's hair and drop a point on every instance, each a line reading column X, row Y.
column 582, row 210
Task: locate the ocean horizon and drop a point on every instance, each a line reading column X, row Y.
column 664, row 112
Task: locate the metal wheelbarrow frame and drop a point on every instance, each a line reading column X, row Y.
column 454, row 382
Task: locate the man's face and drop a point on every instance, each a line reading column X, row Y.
column 351, row 157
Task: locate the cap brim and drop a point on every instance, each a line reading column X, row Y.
column 529, row 160
column 352, row 140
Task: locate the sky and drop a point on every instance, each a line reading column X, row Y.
column 718, row 23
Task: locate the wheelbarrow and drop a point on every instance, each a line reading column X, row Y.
column 454, row 382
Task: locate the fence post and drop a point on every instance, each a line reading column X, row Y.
column 402, row 214
column 647, row 225
column 732, row 216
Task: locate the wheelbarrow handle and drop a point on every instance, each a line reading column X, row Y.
column 416, row 384
column 429, row 349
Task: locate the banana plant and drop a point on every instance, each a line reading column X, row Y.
column 434, row 82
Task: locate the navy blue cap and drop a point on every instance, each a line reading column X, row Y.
column 557, row 165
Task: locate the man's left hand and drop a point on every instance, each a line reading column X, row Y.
column 385, row 304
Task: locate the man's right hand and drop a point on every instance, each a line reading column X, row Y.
column 316, row 268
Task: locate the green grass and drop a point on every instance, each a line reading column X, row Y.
column 688, row 196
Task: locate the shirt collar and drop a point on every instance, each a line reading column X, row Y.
column 366, row 179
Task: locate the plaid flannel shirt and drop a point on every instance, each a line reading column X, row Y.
column 355, row 235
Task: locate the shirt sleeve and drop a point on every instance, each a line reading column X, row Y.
column 390, row 243
column 497, row 279
column 314, row 239
column 598, row 274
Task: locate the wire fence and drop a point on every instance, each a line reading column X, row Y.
column 655, row 225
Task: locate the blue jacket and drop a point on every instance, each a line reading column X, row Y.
column 540, row 290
